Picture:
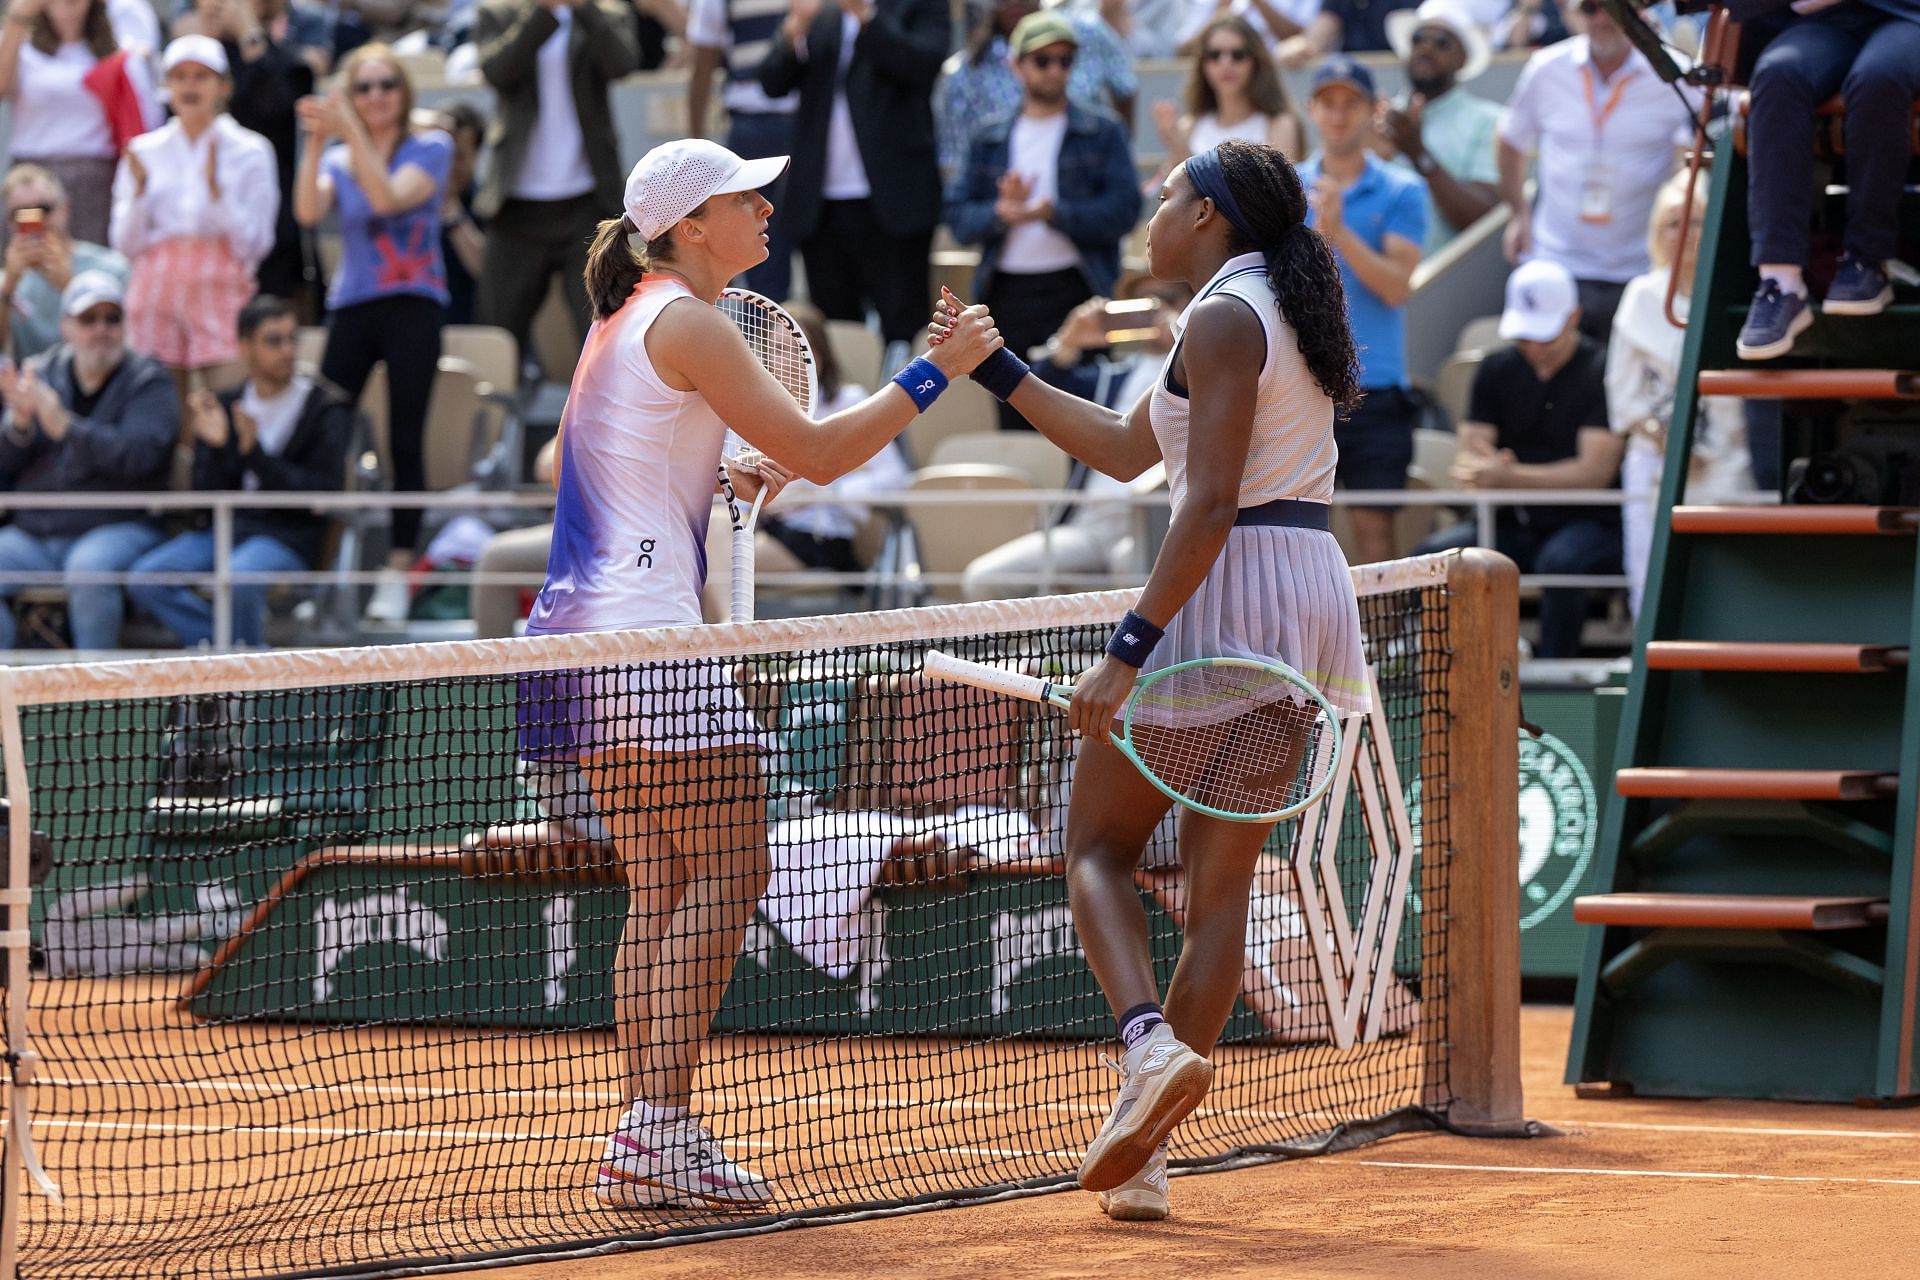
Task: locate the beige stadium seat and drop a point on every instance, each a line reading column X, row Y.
column 1453, row 384
column 556, row 339
column 1433, row 452
column 1028, row 452
column 1480, row 334
column 489, row 349
column 964, row 406
column 858, row 351
column 310, row 346
column 949, row 537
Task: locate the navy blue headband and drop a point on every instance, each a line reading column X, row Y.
column 1204, row 172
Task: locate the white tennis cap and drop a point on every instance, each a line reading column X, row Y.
column 1541, row 295
column 675, row 178
column 204, row 50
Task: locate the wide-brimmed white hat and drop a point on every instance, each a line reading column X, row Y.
column 1451, row 14
column 1541, row 298
column 675, row 178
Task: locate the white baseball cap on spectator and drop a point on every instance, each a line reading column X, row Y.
column 1451, row 14
column 88, row 290
column 1541, row 298
column 203, row 50
column 675, row 178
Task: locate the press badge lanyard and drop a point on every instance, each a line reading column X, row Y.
column 1596, row 187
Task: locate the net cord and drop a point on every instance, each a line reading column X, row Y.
column 20, row 1156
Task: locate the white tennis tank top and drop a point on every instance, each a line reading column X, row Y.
column 636, row 464
column 1290, row 453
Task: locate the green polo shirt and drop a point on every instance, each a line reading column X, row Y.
column 1460, row 132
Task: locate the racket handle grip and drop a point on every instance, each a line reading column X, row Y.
column 742, row 576
column 944, row 666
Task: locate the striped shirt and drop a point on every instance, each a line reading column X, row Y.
column 1290, row 453
column 746, row 29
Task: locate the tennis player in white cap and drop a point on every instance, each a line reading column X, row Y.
column 676, row 772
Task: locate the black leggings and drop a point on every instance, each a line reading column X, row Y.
column 403, row 331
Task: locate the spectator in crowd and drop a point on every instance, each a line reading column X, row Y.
column 1276, row 22
column 655, row 21
column 1527, row 24
column 1233, row 91
column 499, row 606
column 863, row 195
column 41, row 257
column 737, row 35
column 1870, row 55
column 1048, row 193
column 269, row 77
column 463, row 242
column 796, row 537
column 980, row 83
column 1438, row 129
column 279, row 430
column 388, row 299
column 1342, row 26
column 300, row 30
column 1606, row 132
column 556, row 157
column 1096, row 534
column 1375, row 219
column 1537, row 419
column 359, row 22
column 195, row 203
column 1146, row 28
column 86, row 416
column 136, row 28
column 76, row 99
column 1643, row 374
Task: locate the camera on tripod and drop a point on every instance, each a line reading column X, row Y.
column 1859, row 474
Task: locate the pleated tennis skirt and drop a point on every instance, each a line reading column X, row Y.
column 1277, row 594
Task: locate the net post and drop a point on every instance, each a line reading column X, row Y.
column 1472, row 844
column 17, row 896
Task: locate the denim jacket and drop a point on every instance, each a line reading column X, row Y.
column 1096, row 208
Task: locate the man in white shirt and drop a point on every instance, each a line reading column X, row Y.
column 556, row 157
column 1048, row 193
column 736, row 36
column 279, row 430
column 1606, row 132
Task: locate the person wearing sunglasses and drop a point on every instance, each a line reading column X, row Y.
column 1602, row 133
column 85, row 416
column 387, row 181
column 1048, row 194
column 1233, row 91
column 1437, row 129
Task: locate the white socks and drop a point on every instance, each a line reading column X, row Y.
column 1790, row 279
column 646, row 1113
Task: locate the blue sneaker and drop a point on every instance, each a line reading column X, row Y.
column 1859, row 289
column 1774, row 320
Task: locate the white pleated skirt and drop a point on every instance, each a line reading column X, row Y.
column 1277, row 594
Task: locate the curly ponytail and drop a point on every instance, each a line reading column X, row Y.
column 1300, row 264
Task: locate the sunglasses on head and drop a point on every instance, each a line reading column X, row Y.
column 1235, row 54
column 361, row 88
column 1048, row 61
column 1435, row 37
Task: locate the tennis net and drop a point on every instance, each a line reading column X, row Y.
column 328, row 975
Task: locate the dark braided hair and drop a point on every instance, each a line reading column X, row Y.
column 1300, row 265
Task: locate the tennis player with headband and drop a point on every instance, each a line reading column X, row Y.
column 676, row 771
column 1243, row 417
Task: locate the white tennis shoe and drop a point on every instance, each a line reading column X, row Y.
column 1162, row 1080
column 675, row 1162
column 1141, row 1198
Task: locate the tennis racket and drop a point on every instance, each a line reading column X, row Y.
column 777, row 342
column 1231, row 738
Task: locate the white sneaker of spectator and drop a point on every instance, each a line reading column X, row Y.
column 392, row 597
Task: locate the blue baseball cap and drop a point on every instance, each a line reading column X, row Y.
column 1340, row 69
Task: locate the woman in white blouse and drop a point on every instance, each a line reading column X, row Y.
column 1643, row 369
column 1233, row 91
column 48, row 51
column 194, row 208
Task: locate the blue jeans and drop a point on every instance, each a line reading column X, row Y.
column 754, row 136
column 93, row 611
column 188, row 614
column 1873, row 61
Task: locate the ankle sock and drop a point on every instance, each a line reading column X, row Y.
column 1790, row 279
column 1137, row 1023
column 646, row 1113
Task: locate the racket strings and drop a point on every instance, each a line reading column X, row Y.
column 1235, row 739
column 780, row 348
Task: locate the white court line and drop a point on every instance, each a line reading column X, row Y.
column 487, row 1135
column 1893, row 1135
column 1690, row 1175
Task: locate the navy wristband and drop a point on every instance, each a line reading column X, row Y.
column 1001, row 372
column 922, row 380
column 1133, row 640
